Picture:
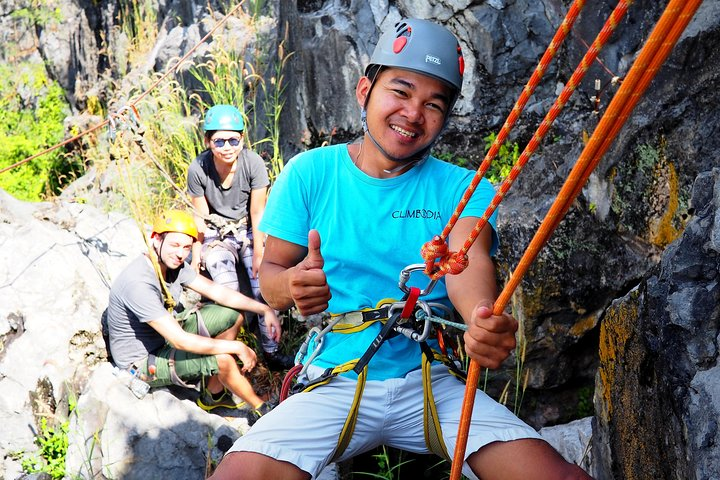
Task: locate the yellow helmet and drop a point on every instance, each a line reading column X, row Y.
column 176, row 221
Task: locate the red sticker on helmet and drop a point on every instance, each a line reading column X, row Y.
column 461, row 65
column 399, row 44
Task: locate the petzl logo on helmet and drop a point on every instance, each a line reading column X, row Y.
column 432, row 59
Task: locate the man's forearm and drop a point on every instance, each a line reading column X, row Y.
column 476, row 284
column 204, row 345
column 274, row 286
column 242, row 302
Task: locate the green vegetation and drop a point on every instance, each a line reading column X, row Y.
column 53, row 444
column 137, row 19
column 450, row 158
column 387, row 468
column 30, row 123
column 585, row 407
column 649, row 182
column 507, row 155
column 39, row 12
column 628, row 176
column 153, row 149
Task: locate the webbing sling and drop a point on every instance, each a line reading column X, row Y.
column 349, row 426
column 431, row 421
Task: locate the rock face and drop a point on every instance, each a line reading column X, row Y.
column 118, row 435
column 636, row 203
column 658, row 377
column 56, row 266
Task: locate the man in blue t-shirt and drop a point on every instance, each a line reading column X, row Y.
column 342, row 223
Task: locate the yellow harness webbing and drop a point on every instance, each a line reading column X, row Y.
column 359, row 320
column 168, row 299
column 349, row 427
column 431, row 420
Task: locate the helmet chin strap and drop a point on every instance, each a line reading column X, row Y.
column 415, row 159
column 158, row 252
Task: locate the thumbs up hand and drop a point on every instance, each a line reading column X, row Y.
column 308, row 285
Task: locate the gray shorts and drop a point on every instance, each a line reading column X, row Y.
column 304, row 429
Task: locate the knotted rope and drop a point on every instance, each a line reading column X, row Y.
column 670, row 26
column 435, row 267
column 436, row 250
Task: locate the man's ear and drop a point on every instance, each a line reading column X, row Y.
column 362, row 89
column 155, row 240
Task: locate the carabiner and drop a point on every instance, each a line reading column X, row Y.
column 405, row 276
column 410, row 332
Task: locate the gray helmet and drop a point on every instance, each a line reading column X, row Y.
column 421, row 46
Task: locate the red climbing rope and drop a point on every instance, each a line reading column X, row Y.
column 438, row 260
column 672, row 23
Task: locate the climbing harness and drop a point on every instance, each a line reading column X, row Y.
column 221, row 237
column 225, row 227
column 411, row 317
column 202, row 331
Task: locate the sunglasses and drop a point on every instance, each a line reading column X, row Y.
column 220, row 142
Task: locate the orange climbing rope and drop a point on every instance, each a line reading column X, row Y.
column 670, row 26
column 438, row 260
column 648, row 70
column 135, row 102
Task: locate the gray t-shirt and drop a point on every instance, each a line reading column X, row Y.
column 234, row 202
column 135, row 299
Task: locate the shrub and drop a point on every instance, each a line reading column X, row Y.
column 30, row 126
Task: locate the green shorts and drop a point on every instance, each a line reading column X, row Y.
column 190, row 367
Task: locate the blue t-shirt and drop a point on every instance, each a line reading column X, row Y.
column 370, row 230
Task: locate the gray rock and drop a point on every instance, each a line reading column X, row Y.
column 121, row 436
column 658, row 376
column 55, row 267
column 573, row 441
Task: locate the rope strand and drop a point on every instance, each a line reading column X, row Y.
column 674, row 19
column 432, row 251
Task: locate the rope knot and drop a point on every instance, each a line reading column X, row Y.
column 435, row 249
column 457, row 263
column 439, row 261
column 453, row 263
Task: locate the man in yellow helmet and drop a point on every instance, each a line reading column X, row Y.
column 151, row 335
